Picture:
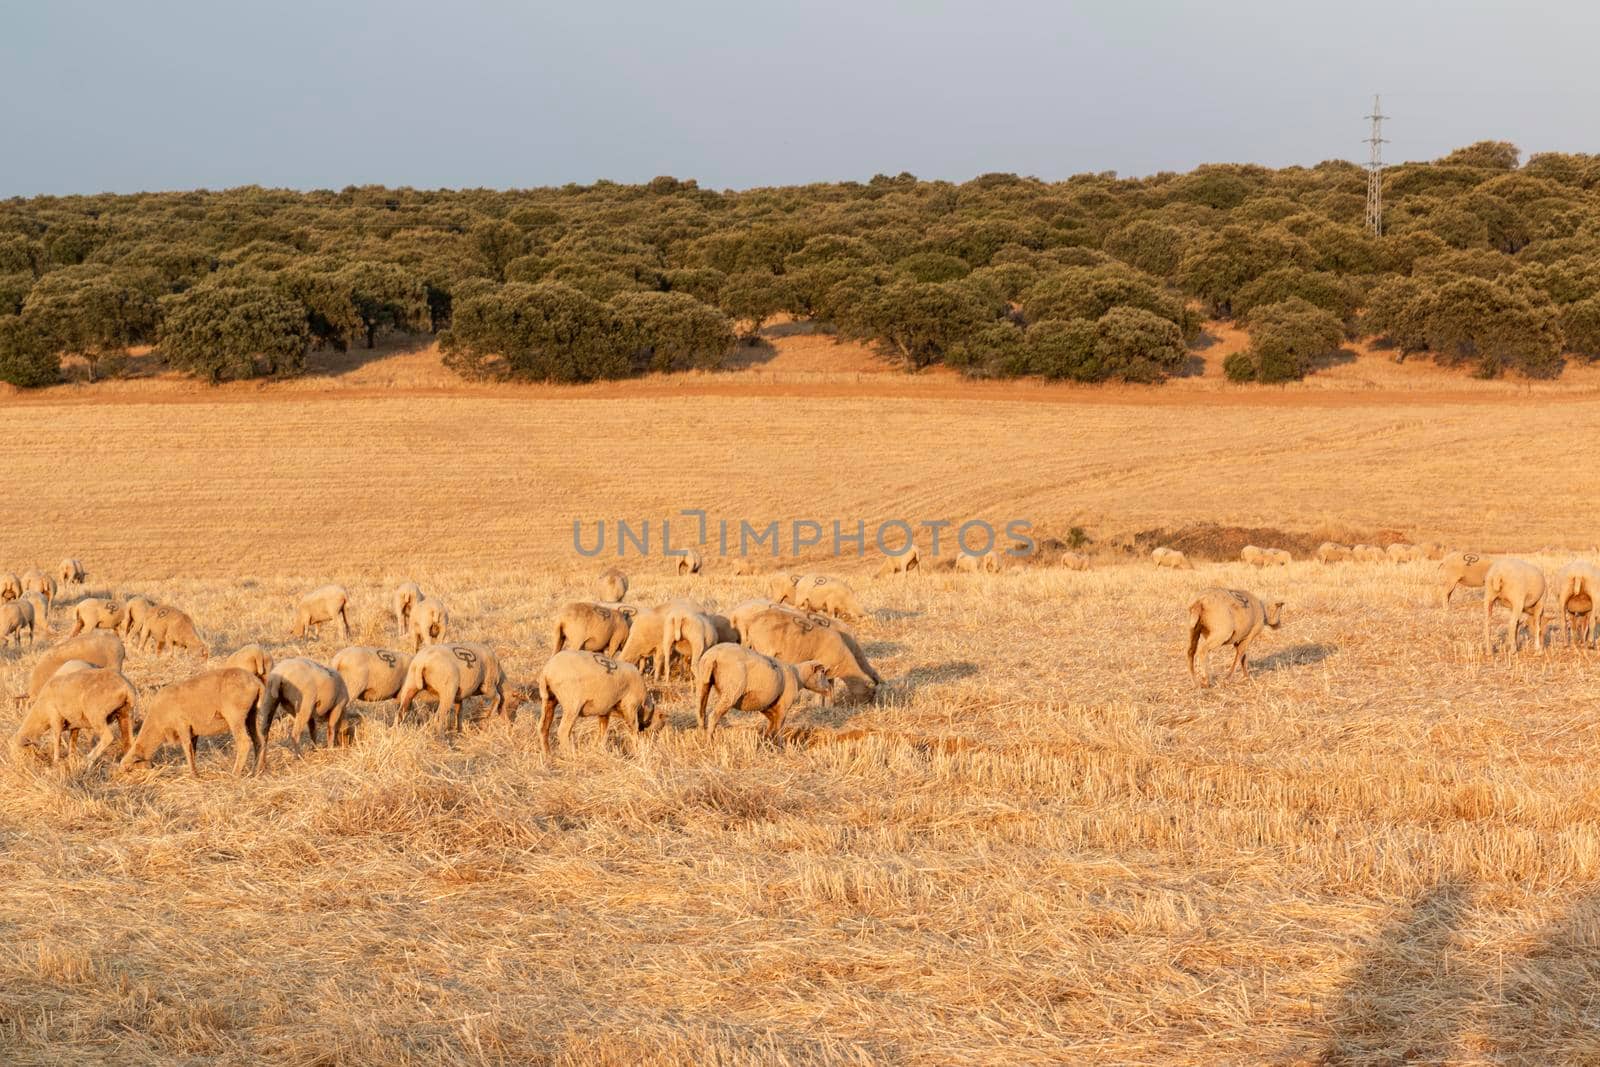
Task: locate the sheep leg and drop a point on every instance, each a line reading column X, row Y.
column 241, row 744
column 605, row 728
column 725, row 703
column 1488, row 616
column 1536, row 624
column 547, row 716
column 55, row 742
column 302, row 718
column 774, row 720
column 344, row 624
column 569, row 719
column 126, row 717
column 106, row 738
column 335, row 717
column 186, row 739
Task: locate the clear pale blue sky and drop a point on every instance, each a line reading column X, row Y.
column 170, row 94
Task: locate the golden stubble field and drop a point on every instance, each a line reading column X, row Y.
column 1042, row 843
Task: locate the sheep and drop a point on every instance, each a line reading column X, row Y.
column 587, row 683
column 744, row 565
column 324, row 604
column 37, row 581
column 818, row 592
column 690, row 632
column 169, row 626
column 37, row 721
column 690, row 562
column 1520, row 586
column 1075, row 561
column 591, row 627
column 780, row 587
column 904, row 563
column 371, row 674
column 15, row 617
column 613, row 585
column 1333, row 552
column 1368, row 554
column 748, row 681
column 41, row 612
column 979, row 562
column 1228, row 617
column 745, row 610
column 94, row 613
column 230, row 700
column 1277, row 557
column 136, row 612
column 1577, row 589
column 1462, row 570
column 71, row 572
column 80, row 699
column 406, row 595
column 310, row 690
column 792, row 638
column 1429, row 550
column 427, row 623
column 452, row 673
column 1253, row 555
column 1172, row 559
column 644, row 631
column 723, row 627
column 10, row 587
column 100, row 649
column 253, row 658
column 1400, row 552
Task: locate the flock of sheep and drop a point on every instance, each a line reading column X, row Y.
column 759, row 657
column 1235, row 617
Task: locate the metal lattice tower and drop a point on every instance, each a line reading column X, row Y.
column 1375, row 171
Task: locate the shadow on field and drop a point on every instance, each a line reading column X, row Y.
column 935, row 674
column 1548, row 998
column 1296, row 656
column 882, row 648
column 895, row 614
column 1401, row 1004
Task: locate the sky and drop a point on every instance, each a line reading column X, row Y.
column 163, row 94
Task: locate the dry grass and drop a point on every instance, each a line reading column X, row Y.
column 1042, row 845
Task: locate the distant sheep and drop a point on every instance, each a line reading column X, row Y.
column 1075, row 561
column 644, row 632
column 587, row 683
column 70, row 572
column 1400, row 552
column 326, row 603
column 819, row 592
column 1332, row 552
column 80, row 699
column 311, row 691
column 589, row 627
column 406, row 596
column 1234, row 617
column 15, row 617
column 230, row 700
column 1430, row 550
column 744, row 565
column 1577, row 589
column 683, row 631
column 169, row 626
column 1171, row 559
column 780, row 586
column 1520, row 587
column 10, row 587
column 979, row 563
column 454, row 673
column 1277, row 557
column 904, row 563
column 41, row 613
column 1253, row 555
column 1368, row 554
column 101, row 649
column 135, row 625
column 1462, row 570
column 690, row 562
column 371, row 674
column 746, row 680
column 253, row 658
column 427, row 623
column 37, row 581
column 95, row 613
column 613, row 585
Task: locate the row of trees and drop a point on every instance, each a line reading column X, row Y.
column 1486, row 262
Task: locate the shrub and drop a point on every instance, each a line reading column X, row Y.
column 544, row 332
column 924, row 320
column 1136, row 345
column 1062, row 348
column 1580, row 325
column 1286, row 338
column 665, row 331
column 219, row 332
column 27, row 359
column 752, row 298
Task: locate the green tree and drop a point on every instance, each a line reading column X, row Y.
column 543, row 332
column 497, row 243
column 667, row 331
column 1062, row 348
column 1286, row 340
column 922, row 321
column 94, row 311
column 27, row 359
column 751, row 298
column 1489, row 155
column 386, row 296
column 1580, row 325
column 1136, row 345
column 218, row 332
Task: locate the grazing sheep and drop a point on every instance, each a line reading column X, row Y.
column 904, row 563
column 1172, row 559
column 253, row 658
column 10, row 587
column 587, row 683
column 1462, row 570
column 780, row 587
column 1075, row 561
column 453, row 673
column 37, row 581
column 1368, row 554
column 1228, row 617
column 15, row 617
column 1277, row 557
column 95, row 613
column 80, row 699
column 136, row 612
column 229, row 700
column 644, row 632
column 818, row 592
column 1577, row 589
column 613, row 585
column 748, row 681
column 591, row 627
column 406, row 596
column 70, row 572
column 372, row 674
column 169, row 626
column 723, row 627
column 1520, row 587
column 427, row 623
column 745, row 610
column 1429, row 550
column 1253, row 555
column 1332, row 552
column 35, row 723
column 308, row 689
column 979, row 563
column 793, row 638
column 687, row 632
column 690, row 562
column 324, row 604
column 1400, row 552
column 102, row 650
column 744, row 565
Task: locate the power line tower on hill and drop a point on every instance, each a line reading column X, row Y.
column 1375, row 171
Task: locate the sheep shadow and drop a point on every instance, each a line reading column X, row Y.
column 1295, row 656
column 876, row 649
column 935, row 674
column 895, row 614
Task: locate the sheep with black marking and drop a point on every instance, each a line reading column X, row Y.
column 452, row 674
column 1219, row 617
column 590, row 627
column 590, row 684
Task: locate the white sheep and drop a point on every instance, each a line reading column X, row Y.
column 326, row 603
column 1228, row 617
column 1520, row 587
column 406, row 596
column 746, row 680
column 587, row 683
column 427, row 623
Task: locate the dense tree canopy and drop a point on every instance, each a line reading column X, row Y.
column 1486, row 262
